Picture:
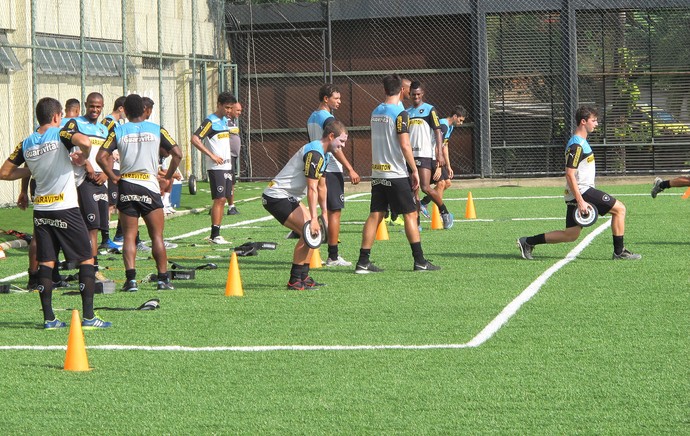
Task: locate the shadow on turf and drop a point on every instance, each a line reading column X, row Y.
column 20, row 325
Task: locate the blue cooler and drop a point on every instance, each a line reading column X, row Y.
column 176, row 193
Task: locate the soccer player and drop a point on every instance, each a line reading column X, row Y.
column 91, row 181
column 235, row 147
column 444, row 174
column 212, row 138
column 72, row 109
column 329, row 98
column 426, row 141
column 660, row 184
column 580, row 190
column 58, row 223
column 391, row 184
column 139, row 142
column 298, row 178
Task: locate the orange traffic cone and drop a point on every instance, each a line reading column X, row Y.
column 75, row 358
column 233, row 286
column 686, row 194
column 470, row 213
column 382, row 231
column 436, row 221
column 315, row 261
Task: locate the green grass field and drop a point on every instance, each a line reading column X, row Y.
column 601, row 348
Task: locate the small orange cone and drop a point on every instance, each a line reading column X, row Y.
column 686, row 194
column 233, row 286
column 315, row 261
column 382, row 231
column 2, row 254
column 470, row 213
column 436, row 221
column 75, row 358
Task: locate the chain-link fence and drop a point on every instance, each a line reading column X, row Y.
column 173, row 51
column 521, row 68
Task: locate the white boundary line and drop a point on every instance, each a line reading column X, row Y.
column 484, row 335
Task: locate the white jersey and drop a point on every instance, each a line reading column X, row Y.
column 579, row 155
column 387, row 159
column 291, row 182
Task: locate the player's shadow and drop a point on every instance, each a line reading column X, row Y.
column 19, row 325
column 466, row 255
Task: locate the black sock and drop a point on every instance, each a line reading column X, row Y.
column 364, row 254
column 665, row 184
column 443, row 209
column 536, row 239
column 138, row 240
column 105, row 235
column 95, row 263
column 618, row 245
column 394, row 216
column 33, row 278
column 87, row 287
column 426, row 200
column 333, row 252
column 304, row 272
column 45, row 291
column 55, row 274
column 118, row 231
column 417, row 252
column 131, row 274
column 295, row 273
column 163, row 277
column 215, row 231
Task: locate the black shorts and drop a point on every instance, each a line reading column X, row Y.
column 280, row 208
column 599, row 199
column 395, row 193
column 93, row 202
column 64, row 230
column 335, row 184
column 424, row 162
column 136, row 200
column 113, row 190
column 221, row 183
column 444, row 172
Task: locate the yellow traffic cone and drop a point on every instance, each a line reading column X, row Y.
column 75, row 358
column 470, row 213
column 436, row 221
column 315, row 261
column 233, row 286
column 382, row 231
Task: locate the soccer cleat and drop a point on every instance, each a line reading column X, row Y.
column 169, row 245
column 657, row 187
column 110, row 245
column 143, row 247
column 100, row 277
column 219, row 240
column 296, row 286
column 95, row 323
column 448, row 220
column 130, row 286
column 367, row 268
column 32, row 285
column 626, row 255
column 424, row 210
column 338, row 262
column 118, row 240
column 232, row 210
column 525, row 248
column 292, row 235
column 398, row 221
column 165, row 286
column 54, row 325
column 169, row 210
column 310, row 283
column 426, row 266
column 61, row 284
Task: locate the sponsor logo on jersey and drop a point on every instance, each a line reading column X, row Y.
column 381, row 167
column 100, row 197
column 49, row 198
column 137, row 138
column 47, row 147
column 384, row 182
column 136, row 176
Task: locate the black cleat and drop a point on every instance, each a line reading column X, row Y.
column 165, row 286
column 367, row 268
column 426, row 266
column 310, row 283
column 130, row 286
column 657, row 187
column 525, row 248
column 296, row 286
column 626, row 255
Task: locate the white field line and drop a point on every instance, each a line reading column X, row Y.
column 533, row 197
column 484, row 335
